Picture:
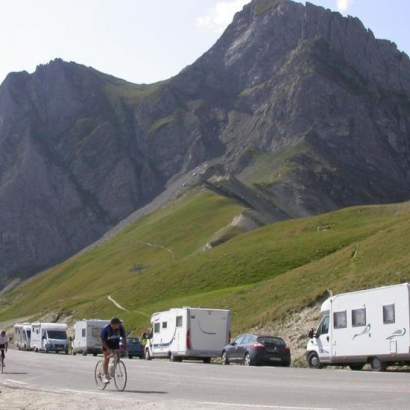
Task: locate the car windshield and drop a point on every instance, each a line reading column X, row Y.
column 269, row 340
column 133, row 341
column 57, row 334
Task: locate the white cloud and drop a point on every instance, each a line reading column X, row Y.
column 344, row 5
column 220, row 15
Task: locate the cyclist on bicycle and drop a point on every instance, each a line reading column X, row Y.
column 4, row 345
column 110, row 337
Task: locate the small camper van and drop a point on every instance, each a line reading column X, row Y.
column 22, row 335
column 49, row 337
column 87, row 338
column 369, row 326
column 189, row 333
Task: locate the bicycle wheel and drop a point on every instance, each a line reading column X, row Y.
column 99, row 374
column 120, row 376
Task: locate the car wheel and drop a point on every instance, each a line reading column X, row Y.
column 314, row 361
column 147, row 355
column 247, row 360
column 130, row 356
column 377, row 365
column 225, row 360
column 356, row 366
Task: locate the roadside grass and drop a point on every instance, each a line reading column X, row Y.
column 263, row 275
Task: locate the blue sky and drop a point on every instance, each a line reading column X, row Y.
column 147, row 40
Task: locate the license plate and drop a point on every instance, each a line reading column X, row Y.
column 274, row 359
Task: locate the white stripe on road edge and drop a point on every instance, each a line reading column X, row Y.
column 15, row 381
column 260, row 406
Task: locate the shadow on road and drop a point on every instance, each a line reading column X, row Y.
column 145, row 392
column 15, row 373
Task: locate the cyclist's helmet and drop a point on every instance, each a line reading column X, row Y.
column 115, row 321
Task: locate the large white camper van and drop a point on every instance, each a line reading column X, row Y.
column 368, row 326
column 87, row 337
column 189, row 333
column 49, row 337
column 22, row 335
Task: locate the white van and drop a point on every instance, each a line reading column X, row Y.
column 189, row 333
column 368, row 326
column 22, row 335
column 49, row 337
column 87, row 336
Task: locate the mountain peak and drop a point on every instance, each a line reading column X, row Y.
column 265, row 32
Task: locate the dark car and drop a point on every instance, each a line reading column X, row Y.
column 135, row 348
column 252, row 350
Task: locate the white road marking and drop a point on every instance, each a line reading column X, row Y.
column 259, row 406
column 116, row 303
column 15, row 381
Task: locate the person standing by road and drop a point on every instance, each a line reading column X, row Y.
column 4, row 345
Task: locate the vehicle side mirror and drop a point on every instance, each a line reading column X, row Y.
column 312, row 334
column 233, row 343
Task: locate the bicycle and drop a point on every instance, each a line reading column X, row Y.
column 116, row 370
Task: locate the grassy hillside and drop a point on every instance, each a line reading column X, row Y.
column 159, row 262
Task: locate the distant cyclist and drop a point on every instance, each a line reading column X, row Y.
column 110, row 337
column 4, row 345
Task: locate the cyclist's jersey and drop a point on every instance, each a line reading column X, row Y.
column 3, row 341
column 112, row 337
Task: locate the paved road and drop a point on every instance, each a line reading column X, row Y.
column 214, row 386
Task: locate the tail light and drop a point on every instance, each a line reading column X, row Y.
column 258, row 345
column 287, row 350
column 188, row 340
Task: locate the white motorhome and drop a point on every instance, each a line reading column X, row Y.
column 22, row 335
column 87, row 336
column 49, row 337
column 368, row 326
column 189, row 333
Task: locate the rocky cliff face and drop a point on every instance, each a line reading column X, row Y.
column 302, row 105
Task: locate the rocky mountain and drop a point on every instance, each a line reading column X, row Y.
column 295, row 104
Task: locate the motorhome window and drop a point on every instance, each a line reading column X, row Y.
column 156, row 327
column 95, row 332
column 82, row 332
column 164, row 325
column 57, row 334
column 358, row 317
column 389, row 314
column 340, row 320
column 324, row 326
column 179, row 321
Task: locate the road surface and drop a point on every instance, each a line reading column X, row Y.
column 201, row 386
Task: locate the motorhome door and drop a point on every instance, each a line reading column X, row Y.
column 323, row 338
column 156, row 336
